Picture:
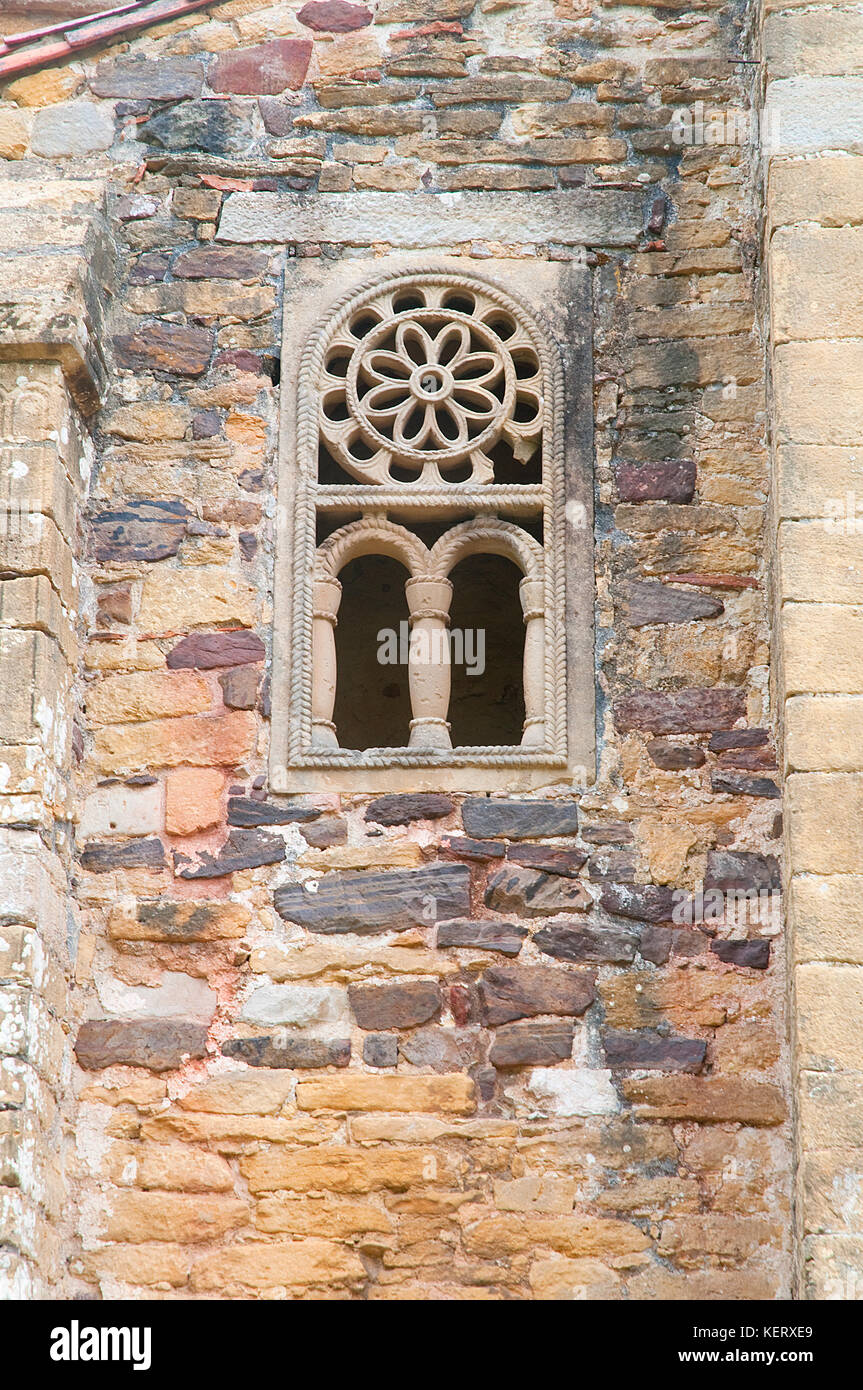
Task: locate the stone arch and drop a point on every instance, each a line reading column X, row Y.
column 370, row 536
column 487, row 535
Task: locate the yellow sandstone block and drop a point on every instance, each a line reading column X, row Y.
column 451, row 1094
column 140, row 1217
column 264, row 1265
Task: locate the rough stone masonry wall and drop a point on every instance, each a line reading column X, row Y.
column 814, row 60
column 553, row 1090
column 54, row 263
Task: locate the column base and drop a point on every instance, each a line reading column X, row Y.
column 430, row 733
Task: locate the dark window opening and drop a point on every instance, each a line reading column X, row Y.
column 372, row 708
column 508, row 469
column 487, row 705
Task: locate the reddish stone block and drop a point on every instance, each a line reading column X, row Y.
column 165, row 347
column 679, row 711
column 143, row 529
column 650, row 601
column 240, row 687
column 675, row 757
column 240, row 358
column 160, row 1044
column 193, row 799
column 265, row 70
column 334, row 16
column 115, row 606
column 672, row 480
column 220, row 263
column 149, row 269
column 205, row 650
column 738, row 738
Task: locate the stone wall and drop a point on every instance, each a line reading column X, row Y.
column 543, row 1085
column 55, row 265
column 814, row 208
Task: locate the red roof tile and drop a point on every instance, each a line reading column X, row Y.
column 20, row 53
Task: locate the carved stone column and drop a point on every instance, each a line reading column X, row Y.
column 326, row 599
column 429, row 661
column 531, row 593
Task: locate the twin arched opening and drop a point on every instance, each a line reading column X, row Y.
column 428, row 648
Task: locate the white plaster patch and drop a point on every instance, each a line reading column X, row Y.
column 123, row 811
column 578, row 1092
column 177, row 996
column 297, row 1005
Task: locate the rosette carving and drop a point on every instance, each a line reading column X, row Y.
column 424, row 379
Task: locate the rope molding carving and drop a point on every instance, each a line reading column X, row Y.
column 509, row 496
column 423, row 390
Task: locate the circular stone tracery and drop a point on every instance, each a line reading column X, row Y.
column 425, row 377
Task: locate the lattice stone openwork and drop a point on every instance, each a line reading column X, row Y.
column 428, row 396
column 423, row 380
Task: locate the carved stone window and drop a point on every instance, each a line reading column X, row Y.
column 436, row 436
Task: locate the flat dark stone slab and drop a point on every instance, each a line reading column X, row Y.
column 207, row 651
column 531, row 1044
column 508, row 992
column 516, row 889
column 753, row 954
column 170, row 79
column 655, row 944
column 737, row 784
column 612, row 865
column 748, row 760
column 377, row 902
column 566, row 862
column 651, row 1052
column 649, row 601
column 680, row 711
column 645, row 902
column 590, row 944
column 489, row 819
column 159, row 1044
column 99, row 858
column 666, row 480
column 159, row 346
column 615, row 832
column 245, row 811
column 741, row 869
column 142, row 530
column 403, row 1005
column 243, row 849
column 464, row 848
column 402, row 809
column 675, row 757
column 738, row 738
column 281, row 1050
column 506, row 938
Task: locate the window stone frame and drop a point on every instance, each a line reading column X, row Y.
column 556, row 297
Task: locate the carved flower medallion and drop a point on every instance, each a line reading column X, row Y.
column 424, row 381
